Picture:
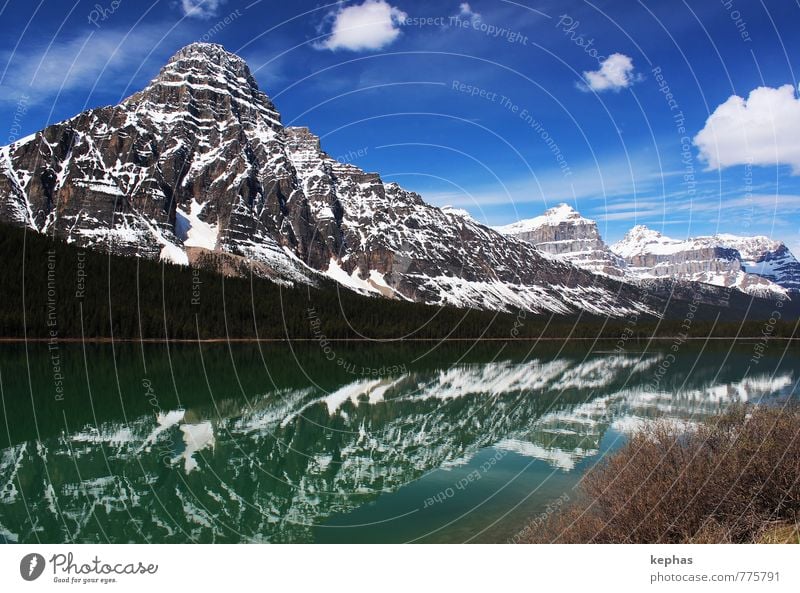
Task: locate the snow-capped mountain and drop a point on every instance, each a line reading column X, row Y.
column 199, row 162
column 766, row 258
column 755, row 265
column 195, row 160
column 562, row 232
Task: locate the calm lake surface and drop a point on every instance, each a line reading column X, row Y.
column 357, row 443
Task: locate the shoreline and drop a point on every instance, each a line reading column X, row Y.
column 755, row 446
column 107, row 340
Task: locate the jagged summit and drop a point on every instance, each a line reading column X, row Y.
column 637, row 237
column 206, row 81
column 204, row 62
column 209, row 59
column 206, row 49
column 562, row 210
column 562, row 232
column 641, row 229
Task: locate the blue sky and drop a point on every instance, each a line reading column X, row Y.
column 502, row 108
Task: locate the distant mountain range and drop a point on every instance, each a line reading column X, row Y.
column 754, row 265
column 197, row 169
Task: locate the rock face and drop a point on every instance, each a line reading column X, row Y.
column 199, row 160
column 766, row 258
column 755, row 265
column 195, row 159
column 563, row 232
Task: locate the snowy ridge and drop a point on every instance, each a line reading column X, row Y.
column 755, row 265
column 388, row 240
column 560, row 214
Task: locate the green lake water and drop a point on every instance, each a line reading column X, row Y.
column 354, row 443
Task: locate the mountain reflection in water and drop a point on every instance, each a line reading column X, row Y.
column 274, row 464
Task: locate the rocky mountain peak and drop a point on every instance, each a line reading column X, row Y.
column 637, row 239
column 197, row 169
column 557, row 215
column 562, row 232
column 208, row 60
column 641, row 231
column 208, row 51
column 204, row 81
column 562, row 211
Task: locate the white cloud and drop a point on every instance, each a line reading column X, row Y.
column 615, row 73
column 371, row 25
column 762, row 130
column 465, row 12
column 201, row 9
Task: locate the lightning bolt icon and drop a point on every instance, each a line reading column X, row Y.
column 34, row 562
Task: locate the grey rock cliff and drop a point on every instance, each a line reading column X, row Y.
column 562, row 232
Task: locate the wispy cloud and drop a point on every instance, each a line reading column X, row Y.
column 466, row 13
column 76, row 63
column 761, row 208
column 201, row 9
column 627, row 205
column 586, row 186
column 638, row 214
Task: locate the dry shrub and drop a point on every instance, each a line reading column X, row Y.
column 734, row 479
column 781, row 533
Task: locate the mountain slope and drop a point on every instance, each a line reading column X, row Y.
column 198, row 162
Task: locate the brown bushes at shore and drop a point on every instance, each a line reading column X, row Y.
column 734, row 479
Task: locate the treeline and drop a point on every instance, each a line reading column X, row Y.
column 52, row 289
